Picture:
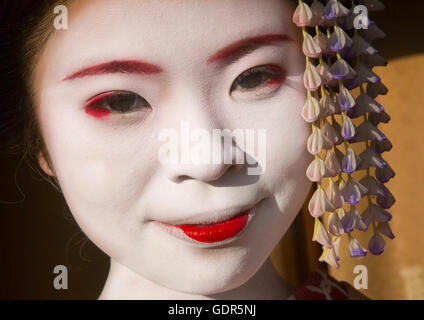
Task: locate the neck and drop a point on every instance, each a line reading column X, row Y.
column 122, row 283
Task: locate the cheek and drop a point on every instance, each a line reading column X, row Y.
column 288, row 157
column 101, row 170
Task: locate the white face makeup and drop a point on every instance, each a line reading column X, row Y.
column 175, row 70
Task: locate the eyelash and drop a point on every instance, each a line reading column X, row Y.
column 115, row 102
column 270, row 79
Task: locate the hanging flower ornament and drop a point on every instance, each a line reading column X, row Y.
column 340, row 58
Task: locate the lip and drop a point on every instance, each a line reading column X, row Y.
column 215, row 232
column 211, row 216
column 206, row 234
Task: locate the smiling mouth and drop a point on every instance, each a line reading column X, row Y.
column 217, row 231
column 211, row 233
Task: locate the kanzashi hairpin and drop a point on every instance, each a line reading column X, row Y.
column 340, row 58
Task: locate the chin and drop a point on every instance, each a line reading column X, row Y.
column 208, row 273
column 213, row 280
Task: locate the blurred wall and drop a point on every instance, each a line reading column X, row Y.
column 399, row 272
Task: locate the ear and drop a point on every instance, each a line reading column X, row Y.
column 44, row 164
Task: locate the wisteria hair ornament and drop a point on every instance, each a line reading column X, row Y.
column 339, row 62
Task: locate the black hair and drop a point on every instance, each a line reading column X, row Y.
column 25, row 26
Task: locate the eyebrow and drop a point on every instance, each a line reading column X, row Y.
column 116, row 66
column 227, row 55
column 240, row 48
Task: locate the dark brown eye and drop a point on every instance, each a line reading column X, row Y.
column 258, row 77
column 118, row 102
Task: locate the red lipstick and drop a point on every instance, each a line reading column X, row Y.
column 216, row 232
column 209, row 233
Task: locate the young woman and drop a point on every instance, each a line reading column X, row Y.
column 100, row 94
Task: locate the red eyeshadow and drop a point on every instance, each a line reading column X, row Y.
column 97, row 113
column 279, row 79
column 93, row 106
column 276, row 81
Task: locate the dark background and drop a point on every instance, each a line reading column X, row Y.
column 37, row 232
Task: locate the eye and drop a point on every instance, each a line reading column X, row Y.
column 258, row 81
column 116, row 102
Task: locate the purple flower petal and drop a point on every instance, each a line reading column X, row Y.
column 374, row 187
column 375, row 89
column 332, row 134
column 321, row 235
column 376, row 118
column 386, row 201
column 370, row 158
column 384, row 174
column 348, row 222
column 316, row 170
column 348, row 128
column 350, row 161
column 352, row 83
column 322, row 40
column 367, row 131
column 353, row 191
column 376, row 244
column 373, row 33
column 384, row 228
column 326, row 76
column 317, row 13
column 335, row 226
column 310, row 47
column 355, row 248
column 339, row 69
column 311, row 78
column 345, row 99
column 335, row 9
column 375, row 61
column 365, row 74
column 339, row 40
column 359, row 222
column 311, row 109
column 364, row 104
column 332, row 164
column 381, row 146
column 319, row 203
column 375, row 213
column 302, row 15
column 362, row 47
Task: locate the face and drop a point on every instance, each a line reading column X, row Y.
column 109, row 85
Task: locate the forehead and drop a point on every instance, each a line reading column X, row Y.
column 176, row 16
column 154, row 30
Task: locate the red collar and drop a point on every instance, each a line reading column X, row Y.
column 320, row 286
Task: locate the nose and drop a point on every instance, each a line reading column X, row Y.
column 206, row 172
column 205, row 150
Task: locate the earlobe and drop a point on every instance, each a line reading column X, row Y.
column 44, row 164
